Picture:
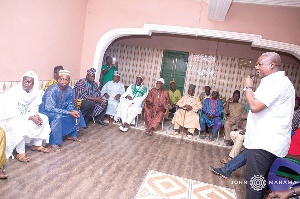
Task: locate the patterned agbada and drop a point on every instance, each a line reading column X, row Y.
column 188, row 119
column 56, row 105
column 50, row 83
column 127, row 109
column 156, row 107
column 84, row 89
column 237, row 111
column 3, row 158
column 214, row 107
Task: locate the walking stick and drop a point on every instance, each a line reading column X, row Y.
column 183, row 125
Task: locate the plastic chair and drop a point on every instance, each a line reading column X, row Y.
column 278, row 180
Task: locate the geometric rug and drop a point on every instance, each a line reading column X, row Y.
column 165, row 186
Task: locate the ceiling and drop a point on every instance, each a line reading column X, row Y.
column 218, row 9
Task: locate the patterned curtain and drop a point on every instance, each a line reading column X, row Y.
column 135, row 60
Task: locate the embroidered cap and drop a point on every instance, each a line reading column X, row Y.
column 140, row 76
column 172, row 82
column 64, row 73
column 91, row 71
column 161, row 80
column 192, row 86
column 117, row 73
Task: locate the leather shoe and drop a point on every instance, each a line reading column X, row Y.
column 101, row 122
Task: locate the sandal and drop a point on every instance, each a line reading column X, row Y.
column 55, row 148
column 73, row 139
column 3, row 175
column 22, row 157
column 40, row 149
column 225, row 160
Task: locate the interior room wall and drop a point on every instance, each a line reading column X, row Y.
column 39, row 35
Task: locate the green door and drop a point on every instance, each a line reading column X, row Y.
column 174, row 66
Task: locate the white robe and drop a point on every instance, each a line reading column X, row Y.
column 17, row 105
column 127, row 109
column 112, row 89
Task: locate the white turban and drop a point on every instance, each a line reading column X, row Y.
column 161, row 80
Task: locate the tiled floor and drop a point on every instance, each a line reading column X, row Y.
column 111, row 164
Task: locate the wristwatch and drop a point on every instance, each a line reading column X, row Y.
column 293, row 191
column 247, row 87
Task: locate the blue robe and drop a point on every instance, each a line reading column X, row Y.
column 57, row 104
column 215, row 122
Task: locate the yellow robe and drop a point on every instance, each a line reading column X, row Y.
column 188, row 119
column 3, row 159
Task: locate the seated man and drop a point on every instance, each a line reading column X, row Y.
column 241, row 159
column 175, row 96
column 156, row 105
column 55, row 77
column 58, row 105
column 22, row 120
column 112, row 92
column 88, row 98
column 131, row 103
column 236, row 111
column 211, row 115
column 238, row 137
column 187, row 114
column 3, row 158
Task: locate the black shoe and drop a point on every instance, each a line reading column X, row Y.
column 228, row 142
column 101, row 122
column 218, row 171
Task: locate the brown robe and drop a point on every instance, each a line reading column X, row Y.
column 155, row 107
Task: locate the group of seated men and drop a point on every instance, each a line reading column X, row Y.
column 61, row 110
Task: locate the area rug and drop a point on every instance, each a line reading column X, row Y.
column 158, row 185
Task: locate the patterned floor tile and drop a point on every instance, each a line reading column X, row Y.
column 162, row 185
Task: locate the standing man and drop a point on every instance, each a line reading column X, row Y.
column 205, row 94
column 55, row 77
column 108, row 70
column 88, row 98
column 236, row 112
column 131, row 103
column 58, row 105
column 269, row 121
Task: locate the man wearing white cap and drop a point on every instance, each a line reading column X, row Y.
column 156, row 106
column 64, row 118
column 21, row 118
column 131, row 103
column 112, row 92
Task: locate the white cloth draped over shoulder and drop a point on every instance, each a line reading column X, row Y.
column 127, row 109
column 16, row 107
column 112, row 89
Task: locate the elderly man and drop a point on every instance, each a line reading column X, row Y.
column 108, row 70
column 58, row 105
column 236, row 112
column 55, row 77
column 269, row 121
column 131, row 103
column 187, row 114
column 21, row 118
column 211, row 115
column 3, row 158
column 156, row 106
column 112, row 92
column 88, row 98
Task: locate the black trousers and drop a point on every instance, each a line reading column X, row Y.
column 257, row 167
column 87, row 108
